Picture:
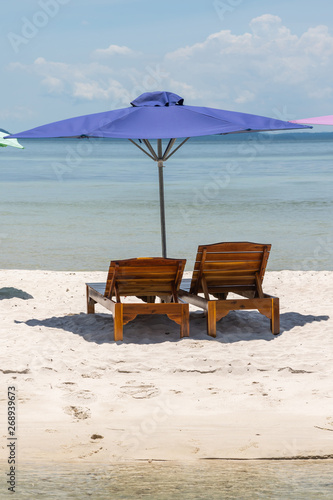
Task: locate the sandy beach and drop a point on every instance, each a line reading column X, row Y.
column 81, row 397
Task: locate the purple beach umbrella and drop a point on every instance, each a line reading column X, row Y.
column 158, row 115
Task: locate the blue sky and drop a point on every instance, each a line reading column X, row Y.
column 63, row 58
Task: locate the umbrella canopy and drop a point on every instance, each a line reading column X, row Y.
column 8, row 142
column 318, row 120
column 158, row 115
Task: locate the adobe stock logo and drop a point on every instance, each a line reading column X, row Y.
column 30, row 27
column 223, row 8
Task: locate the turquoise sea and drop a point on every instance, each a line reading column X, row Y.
column 70, row 204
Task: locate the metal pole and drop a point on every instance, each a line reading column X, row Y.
column 160, row 158
column 162, row 208
column 161, row 186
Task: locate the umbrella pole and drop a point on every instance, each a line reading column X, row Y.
column 159, row 157
column 162, row 208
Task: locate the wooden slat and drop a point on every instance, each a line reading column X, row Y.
column 143, row 294
column 232, row 257
column 223, row 278
column 220, row 275
column 148, row 272
column 145, row 284
column 143, row 290
column 230, row 246
column 146, row 261
column 228, row 289
column 144, row 281
column 253, row 266
column 228, row 280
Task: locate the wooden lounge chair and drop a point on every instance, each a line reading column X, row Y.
column 222, row 268
column 145, row 278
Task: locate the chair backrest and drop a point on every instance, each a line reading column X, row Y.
column 147, row 276
column 230, row 267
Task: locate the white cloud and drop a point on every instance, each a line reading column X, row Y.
column 89, row 90
column 267, row 64
column 53, row 85
column 114, row 50
column 183, row 89
column 245, row 96
column 81, row 81
column 110, row 89
column 259, row 71
column 269, row 27
column 18, row 113
column 119, row 84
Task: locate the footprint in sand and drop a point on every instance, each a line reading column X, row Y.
column 78, row 412
column 76, row 396
column 251, row 444
column 84, row 394
column 91, row 375
column 213, row 389
column 93, row 452
column 68, row 385
column 140, row 391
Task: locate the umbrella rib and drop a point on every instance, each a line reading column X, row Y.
column 151, row 149
column 179, row 146
column 146, row 152
column 168, row 148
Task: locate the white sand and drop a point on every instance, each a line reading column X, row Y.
column 245, row 394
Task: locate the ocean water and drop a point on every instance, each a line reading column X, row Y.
column 200, row 480
column 70, row 204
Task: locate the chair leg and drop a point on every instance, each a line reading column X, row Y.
column 275, row 321
column 211, row 318
column 90, row 304
column 185, row 323
column 118, row 322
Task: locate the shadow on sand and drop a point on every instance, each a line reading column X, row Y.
column 235, row 327
column 11, row 293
